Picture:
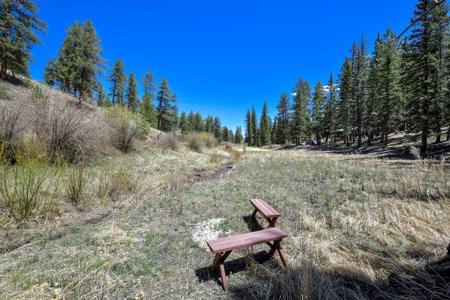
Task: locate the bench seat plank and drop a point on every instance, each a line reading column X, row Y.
column 246, row 240
column 265, row 209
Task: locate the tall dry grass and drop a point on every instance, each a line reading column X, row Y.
column 197, row 141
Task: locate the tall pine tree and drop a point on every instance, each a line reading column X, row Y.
column 283, row 119
column 299, row 124
column 264, row 130
column 18, row 27
column 166, row 110
column 346, row 98
column 132, row 93
column 147, row 108
column 249, row 135
column 317, row 116
column 78, row 63
column 118, row 79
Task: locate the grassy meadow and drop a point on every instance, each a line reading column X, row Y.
column 358, row 228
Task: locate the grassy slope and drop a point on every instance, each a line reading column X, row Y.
column 352, row 223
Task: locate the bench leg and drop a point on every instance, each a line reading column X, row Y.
column 282, row 256
column 224, row 277
column 272, row 221
column 276, row 246
column 215, row 262
column 219, row 262
column 254, row 213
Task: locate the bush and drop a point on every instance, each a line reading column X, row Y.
column 127, row 126
column 194, row 143
column 22, row 188
column 66, row 131
column 197, row 141
column 167, row 141
column 10, row 131
column 112, row 185
column 235, row 153
column 76, row 183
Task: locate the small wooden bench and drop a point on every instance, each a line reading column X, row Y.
column 267, row 211
column 223, row 247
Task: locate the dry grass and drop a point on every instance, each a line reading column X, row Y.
column 358, row 228
column 197, row 141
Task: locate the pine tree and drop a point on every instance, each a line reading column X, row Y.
column 299, row 124
column 166, row 111
column 283, row 120
column 147, row 108
column 209, row 124
column 249, row 129
column 216, row 128
column 100, row 95
column 108, row 102
column 346, row 96
column 391, row 96
column 274, row 131
column 78, row 61
column 183, row 123
column 225, row 134
column 318, row 111
column 238, row 138
column 425, row 61
column 230, row 135
column 118, row 79
column 197, row 122
column 264, row 130
column 18, row 27
column 440, row 39
column 359, row 69
column 330, row 115
column 374, row 92
column 132, row 98
column 255, row 128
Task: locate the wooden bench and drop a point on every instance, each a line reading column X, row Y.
column 267, row 211
column 223, row 247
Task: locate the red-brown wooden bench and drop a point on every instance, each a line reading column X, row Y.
column 223, row 247
column 268, row 212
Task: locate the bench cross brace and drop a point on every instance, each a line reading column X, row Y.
column 271, row 221
column 220, row 258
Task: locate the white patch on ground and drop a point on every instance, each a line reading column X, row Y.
column 206, row 231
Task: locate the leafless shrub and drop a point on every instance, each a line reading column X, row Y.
column 10, row 131
column 76, row 183
column 67, row 131
column 167, row 141
column 127, row 126
column 194, row 143
column 198, row 140
column 23, row 188
column 112, row 185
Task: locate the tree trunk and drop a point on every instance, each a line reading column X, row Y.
column 370, row 138
column 438, row 138
column 424, row 145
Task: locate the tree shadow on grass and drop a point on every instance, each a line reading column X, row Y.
column 252, row 223
column 306, row 281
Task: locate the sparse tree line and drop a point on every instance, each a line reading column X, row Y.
column 404, row 85
column 79, row 65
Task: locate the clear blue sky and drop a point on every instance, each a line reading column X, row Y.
column 223, row 56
